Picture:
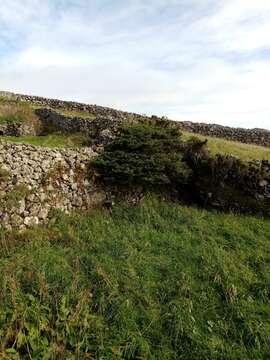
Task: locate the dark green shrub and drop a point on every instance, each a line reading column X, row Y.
column 153, row 157
column 144, row 155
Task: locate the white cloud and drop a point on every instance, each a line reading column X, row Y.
column 40, row 57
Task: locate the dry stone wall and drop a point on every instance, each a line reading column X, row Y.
column 17, row 129
column 71, row 106
column 100, row 130
column 37, row 180
column 248, row 136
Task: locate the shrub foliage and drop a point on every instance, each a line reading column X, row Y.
column 150, row 156
column 156, row 158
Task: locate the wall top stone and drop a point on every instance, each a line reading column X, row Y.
column 256, row 136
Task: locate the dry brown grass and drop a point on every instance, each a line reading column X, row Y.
column 16, row 112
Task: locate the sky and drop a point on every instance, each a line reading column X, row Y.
column 198, row 60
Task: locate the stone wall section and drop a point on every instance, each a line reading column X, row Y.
column 71, row 106
column 100, row 130
column 40, row 179
column 249, row 136
column 259, row 137
column 17, row 129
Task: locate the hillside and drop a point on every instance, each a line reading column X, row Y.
column 152, row 281
column 124, row 237
column 246, row 144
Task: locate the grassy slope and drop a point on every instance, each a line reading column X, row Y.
column 154, row 281
column 243, row 151
column 81, row 114
column 15, row 104
column 16, row 112
column 52, row 140
column 216, row 145
column 22, row 111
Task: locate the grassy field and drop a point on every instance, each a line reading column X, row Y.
column 216, row 145
column 52, row 140
column 243, row 151
column 12, row 110
column 156, row 281
column 25, row 109
column 16, row 112
column 81, row 114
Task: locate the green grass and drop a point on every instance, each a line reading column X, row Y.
column 81, row 114
column 13, row 103
column 69, row 113
column 51, row 140
column 13, row 111
column 154, row 281
column 226, row 147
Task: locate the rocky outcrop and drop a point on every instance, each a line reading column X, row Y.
column 38, row 180
column 248, row 136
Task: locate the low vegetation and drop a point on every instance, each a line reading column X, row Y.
column 16, row 112
column 54, row 140
column 152, row 281
column 155, row 158
column 157, row 280
column 77, row 113
column 226, row 147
